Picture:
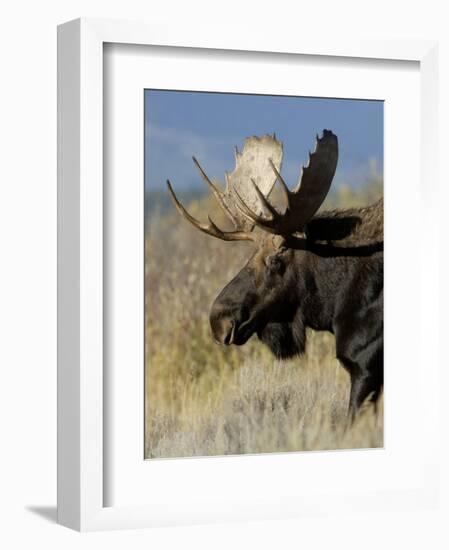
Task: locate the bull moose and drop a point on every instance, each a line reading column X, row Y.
column 318, row 270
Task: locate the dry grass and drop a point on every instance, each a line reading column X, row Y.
column 203, row 399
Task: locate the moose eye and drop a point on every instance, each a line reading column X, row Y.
column 275, row 264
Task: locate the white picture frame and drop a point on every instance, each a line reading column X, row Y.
column 81, row 407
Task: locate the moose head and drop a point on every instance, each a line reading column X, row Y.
column 261, row 298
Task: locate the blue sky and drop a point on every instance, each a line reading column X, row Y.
column 209, row 125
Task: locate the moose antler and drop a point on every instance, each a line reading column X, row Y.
column 253, row 165
column 306, row 197
column 210, row 228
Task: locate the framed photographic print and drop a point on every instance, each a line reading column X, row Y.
column 221, row 276
column 238, row 398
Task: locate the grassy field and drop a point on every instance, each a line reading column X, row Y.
column 203, row 399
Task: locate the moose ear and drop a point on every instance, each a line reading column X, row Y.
column 330, row 229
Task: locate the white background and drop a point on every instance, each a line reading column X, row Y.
column 28, row 272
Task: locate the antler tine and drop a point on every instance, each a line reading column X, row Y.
column 268, row 224
column 211, row 228
column 281, row 180
column 205, row 177
column 218, row 194
column 264, row 201
column 247, row 212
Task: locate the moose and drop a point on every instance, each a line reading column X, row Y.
column 318, row 270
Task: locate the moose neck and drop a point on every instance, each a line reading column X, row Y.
column 322, row 284
column 338, row 244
